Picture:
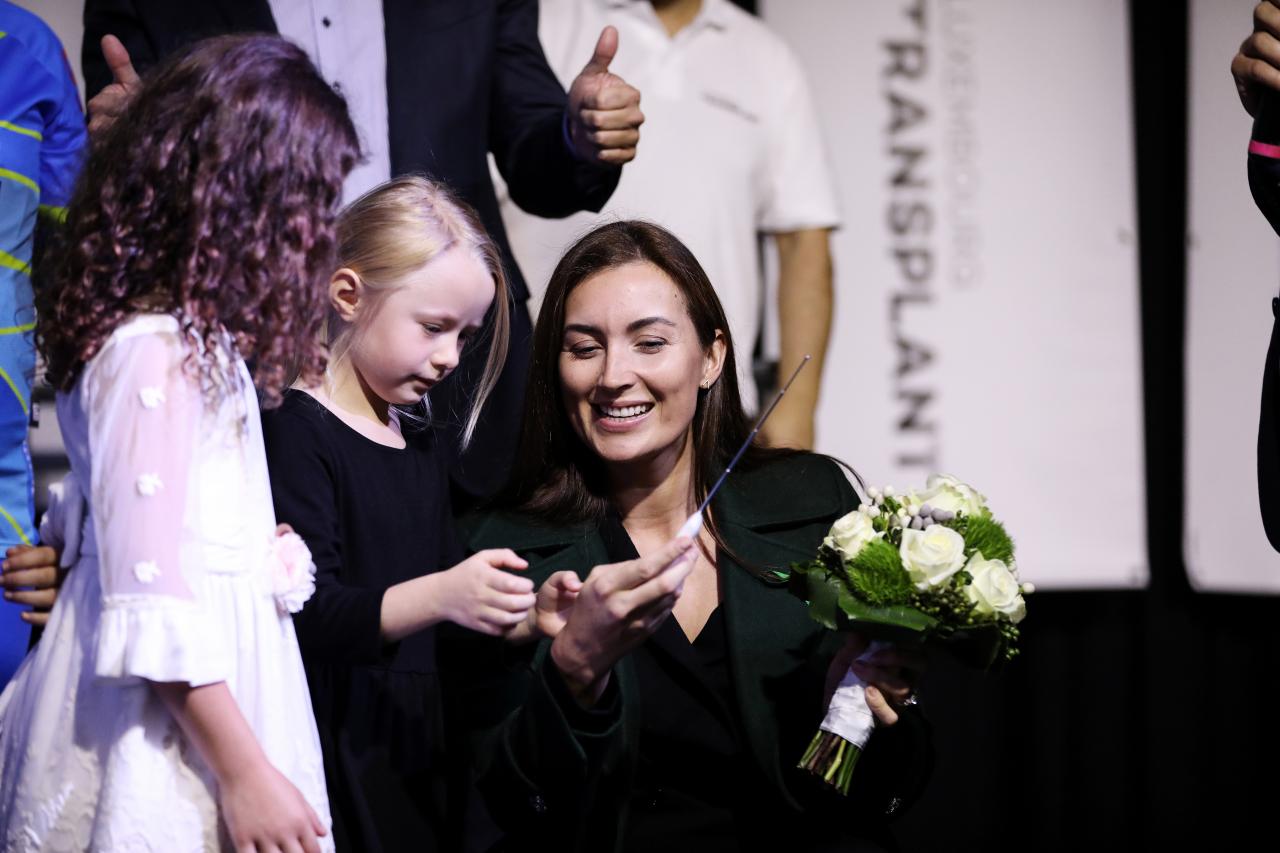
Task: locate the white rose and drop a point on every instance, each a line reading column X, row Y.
column 994, row 589
column 850, row 533
column 932, row 555
column 946, row 492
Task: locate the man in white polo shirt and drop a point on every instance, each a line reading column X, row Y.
column 732, row 150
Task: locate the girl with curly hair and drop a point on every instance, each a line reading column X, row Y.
column 166, row 706
column 361, row 476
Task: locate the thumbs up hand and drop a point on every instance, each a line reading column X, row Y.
column 604, row 110
column 106, row 106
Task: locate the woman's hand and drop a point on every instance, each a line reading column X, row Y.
column 547, row 617
column 479, row 595
column 31, row 576
column 265, row 812
column 619, row 607
column 890, row 672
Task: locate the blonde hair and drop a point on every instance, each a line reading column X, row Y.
column 395, row 229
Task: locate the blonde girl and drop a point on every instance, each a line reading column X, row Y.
column 361, row 474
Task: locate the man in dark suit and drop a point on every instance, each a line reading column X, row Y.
column 1256, row 69
column 462, row 78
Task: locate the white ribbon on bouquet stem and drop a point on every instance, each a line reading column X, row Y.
column 848, row 714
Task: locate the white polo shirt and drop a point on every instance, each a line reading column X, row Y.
column 730, row 146
column 345, row 40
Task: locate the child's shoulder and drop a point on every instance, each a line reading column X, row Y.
column 137, row 342
column 298, row 413
column 296, row 403
column 299, row 426
column 162, row 326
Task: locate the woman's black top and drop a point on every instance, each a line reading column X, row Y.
column 694, row 788
column 690, row 774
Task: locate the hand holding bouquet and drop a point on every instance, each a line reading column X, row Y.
column 929, row 567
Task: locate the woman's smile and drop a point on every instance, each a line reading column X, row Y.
column 621, row 417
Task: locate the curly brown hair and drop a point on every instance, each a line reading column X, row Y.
column 212, row 198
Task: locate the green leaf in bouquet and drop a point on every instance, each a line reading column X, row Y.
column 833, row 605
column 893, row 616
column 876, row 575
column 983, row 533
column 821, row 589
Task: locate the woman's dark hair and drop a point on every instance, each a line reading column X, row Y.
column 556, row 477
column 212, row 198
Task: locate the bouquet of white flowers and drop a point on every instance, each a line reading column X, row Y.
column 932, row 566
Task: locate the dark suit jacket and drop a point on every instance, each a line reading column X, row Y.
column 551, row 780
column 464, row 77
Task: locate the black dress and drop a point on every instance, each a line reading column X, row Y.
column 373, row 516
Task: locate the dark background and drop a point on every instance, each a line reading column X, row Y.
column 1132, row 720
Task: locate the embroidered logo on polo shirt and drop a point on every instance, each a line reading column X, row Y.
column 729, row 105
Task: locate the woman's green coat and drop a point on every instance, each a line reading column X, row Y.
column 565, row 779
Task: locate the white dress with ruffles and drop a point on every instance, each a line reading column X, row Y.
column 170, row 582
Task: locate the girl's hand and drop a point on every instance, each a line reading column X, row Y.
column 261, row 808
column 479, row 595
column 265, row 812
column 890, row 672
column 31, row 576
column 545, row 619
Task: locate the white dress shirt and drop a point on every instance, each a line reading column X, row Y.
column 345, row 39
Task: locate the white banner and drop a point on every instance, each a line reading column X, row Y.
column 987, row 317
column 1233, row 268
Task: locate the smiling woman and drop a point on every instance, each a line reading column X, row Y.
column 632, row 385
column 664, row 702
